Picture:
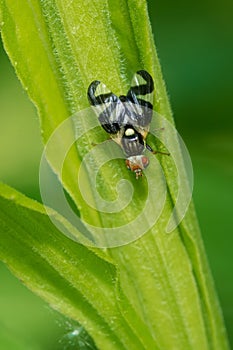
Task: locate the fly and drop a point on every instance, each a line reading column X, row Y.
column 127, row 118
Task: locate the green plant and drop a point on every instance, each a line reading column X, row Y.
column 156, row 292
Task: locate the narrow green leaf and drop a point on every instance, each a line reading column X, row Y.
column 71, row 277
column 162, row 282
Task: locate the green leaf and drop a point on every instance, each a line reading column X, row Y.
column 157, row 292
column 72, row 278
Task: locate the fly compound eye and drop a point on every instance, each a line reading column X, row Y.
column 145, row 162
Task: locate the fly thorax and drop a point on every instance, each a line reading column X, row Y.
column 132, row 141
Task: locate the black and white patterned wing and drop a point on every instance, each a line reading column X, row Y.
column 140, row 97
column 108, row 107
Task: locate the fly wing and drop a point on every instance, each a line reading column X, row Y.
column 140, row 97
column 108, row 107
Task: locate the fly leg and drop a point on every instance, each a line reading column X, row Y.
column 155, row 152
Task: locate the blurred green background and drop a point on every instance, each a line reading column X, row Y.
column 195, row 46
